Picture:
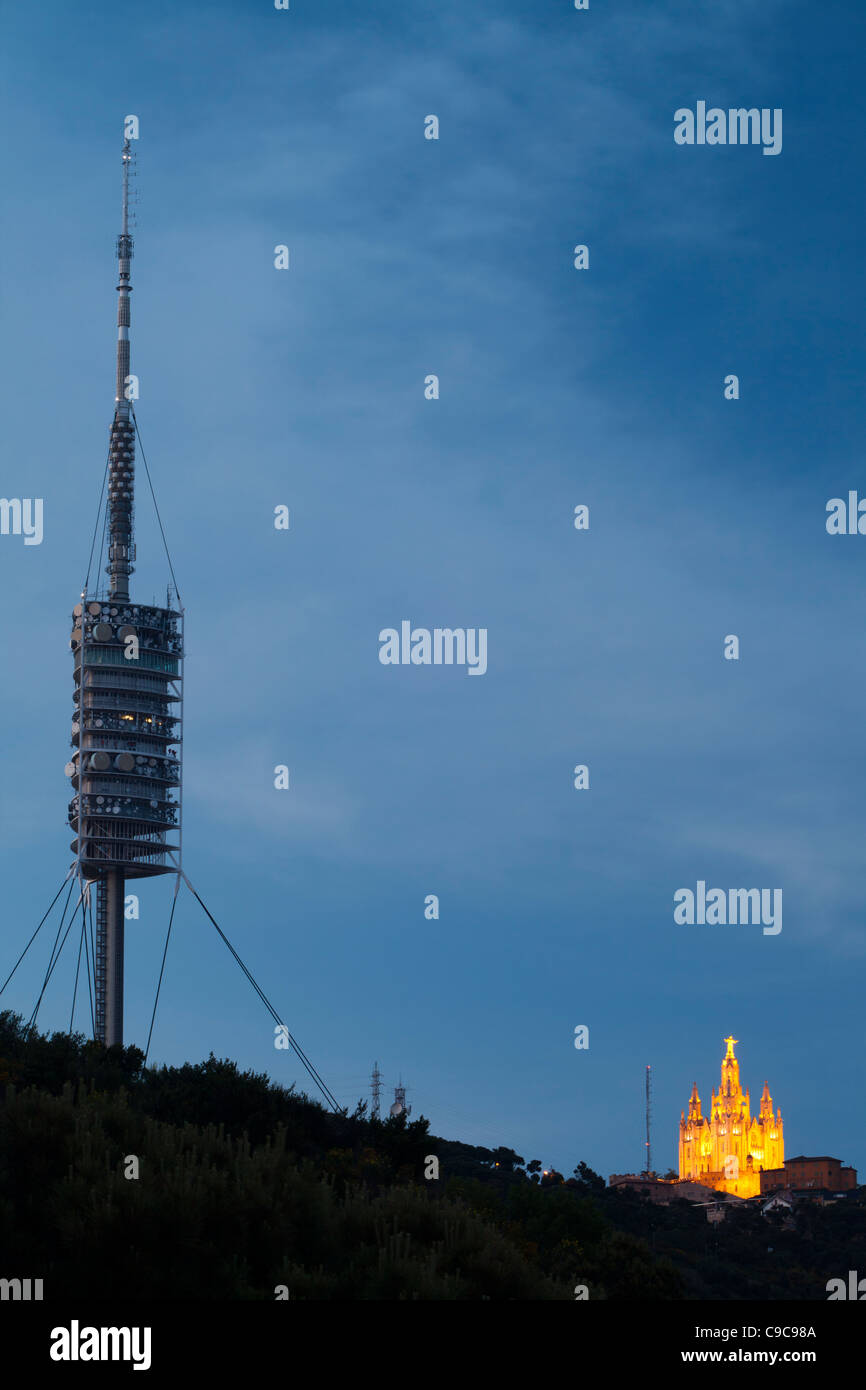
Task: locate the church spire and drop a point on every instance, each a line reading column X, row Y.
column 730, row 1072
column 694, row 1103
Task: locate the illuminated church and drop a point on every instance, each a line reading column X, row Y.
column 727, row 1149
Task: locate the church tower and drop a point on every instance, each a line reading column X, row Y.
column 728, row 1148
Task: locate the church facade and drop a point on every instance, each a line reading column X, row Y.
column 728, row 1148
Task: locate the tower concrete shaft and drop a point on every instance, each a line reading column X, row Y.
column 112, row 887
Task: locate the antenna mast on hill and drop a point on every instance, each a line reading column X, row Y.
column 400, row 1107
column 649, row 1157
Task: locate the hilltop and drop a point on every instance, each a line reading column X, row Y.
column 244, row 1187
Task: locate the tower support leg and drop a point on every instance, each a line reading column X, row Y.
column 114, row 899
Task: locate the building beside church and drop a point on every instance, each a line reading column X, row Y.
column 806, row 1175
column 728, row 1148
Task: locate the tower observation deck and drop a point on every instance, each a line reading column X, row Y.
column 125, row 767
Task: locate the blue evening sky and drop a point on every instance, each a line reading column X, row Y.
column 558, row 387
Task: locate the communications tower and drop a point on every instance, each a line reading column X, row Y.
column 125, row 767
column 126, row 732
column 400, row 1107
column 649, row 1154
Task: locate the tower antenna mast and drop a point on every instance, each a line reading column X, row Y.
column 120, row 503
column 649, row 1157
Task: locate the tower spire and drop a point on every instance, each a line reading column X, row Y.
column 121, row 490
column 124, row 256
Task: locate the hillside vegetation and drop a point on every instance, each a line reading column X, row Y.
column 244, row 1187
